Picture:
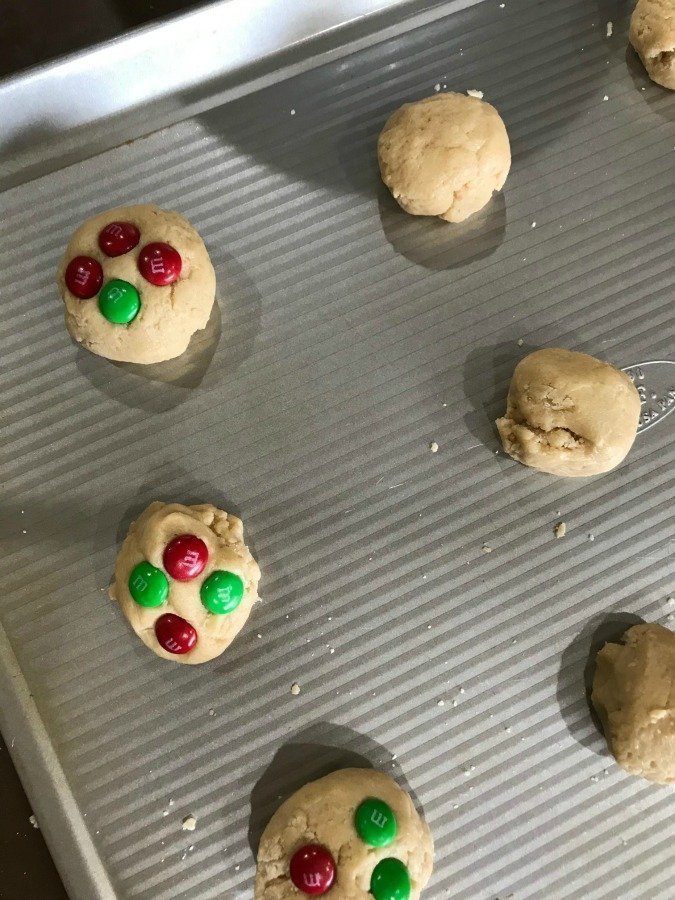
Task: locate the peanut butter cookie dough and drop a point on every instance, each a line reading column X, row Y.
column 353, row 835
column 634, row 695
column 185, row 580
column 652, row 33
column 569, row 414
column 136, row 282
column 444, row 156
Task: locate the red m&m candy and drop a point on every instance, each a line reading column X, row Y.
column 84, row 277
column 312, row 869
column 118, row 238
column 160, row 264
column 185, row 557
column 174, row 634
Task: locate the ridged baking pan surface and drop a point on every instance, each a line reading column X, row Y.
column 436, row 627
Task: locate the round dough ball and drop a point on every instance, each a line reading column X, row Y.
column 634, row 695
column 225, row 551
column 569, row 414
column 169, row 314
column 323, row 812
column 444, row 156
column 652, row 33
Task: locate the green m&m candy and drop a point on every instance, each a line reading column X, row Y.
column 148, row 585
column 390, row 880
column 119, row 302
column 375, row 823
column 221, row 592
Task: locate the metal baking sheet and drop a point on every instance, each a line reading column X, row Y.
column 351, row 336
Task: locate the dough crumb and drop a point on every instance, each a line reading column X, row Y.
column 33, row 821
column 295, row 689
column 520, row 342
column 212, row 712
column 591, row 537
column 437, row 87
column 605, row 98
column 441, row 703
column 486, row 549
column 292, row 112
column 560, row 530
column 474, row 93
column 189, row 823
column 433, row 446
column 609, row 29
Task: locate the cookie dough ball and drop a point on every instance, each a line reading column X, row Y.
column 652, row 33
column 353, row 834
column 185, row 580
column 137, row 282
column 634, row 695
column 569, row 414
column 444, row 156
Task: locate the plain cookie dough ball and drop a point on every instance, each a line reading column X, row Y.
column 137, row 282
column 652, row 33
column 634, row 695
column 353, row 834
column 569, row 414
column 185, row 580
column 444, row 156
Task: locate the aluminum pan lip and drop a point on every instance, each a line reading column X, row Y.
column 157, row 59
column 45, row 782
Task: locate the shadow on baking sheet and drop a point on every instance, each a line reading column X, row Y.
column 311, row 753
column 656, row 97
column 211, row 357
column 435, row 244
column 575, row 677
column 487, row 373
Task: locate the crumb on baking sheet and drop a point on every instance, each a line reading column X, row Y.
column 560, row 530
column 33, row 821
column 609, row 29
column 486, row 548
column 472, row 92
column 295, row 689
column 189, row 823
column 433, row 446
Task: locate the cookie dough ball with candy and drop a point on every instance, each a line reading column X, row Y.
column 137, row 283
column 185, row 580
column 353, row 835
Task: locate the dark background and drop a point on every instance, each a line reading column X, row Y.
column 26, row 868
column 35, row 31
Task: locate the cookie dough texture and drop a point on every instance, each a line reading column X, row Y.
column 169, row 315
column 444, row 156
column 569, row 414
column 652, row 33
column 223, row 535
column 323, row 812
column 634, row 695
